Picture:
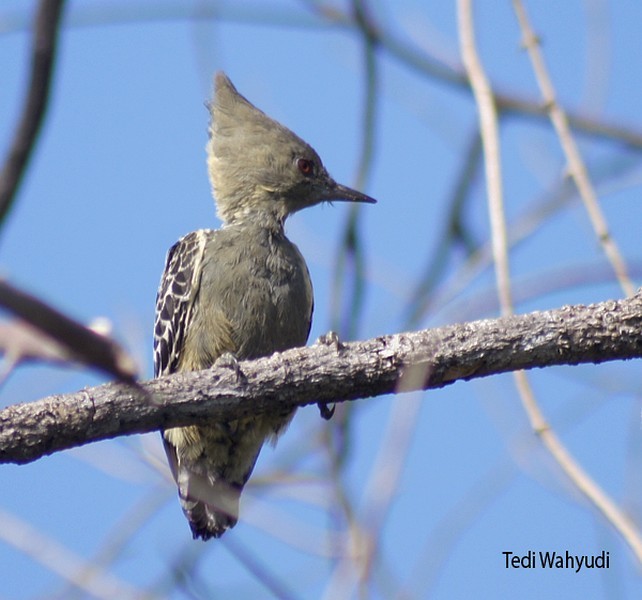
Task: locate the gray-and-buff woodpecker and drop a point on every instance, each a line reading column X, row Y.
column 243, row 289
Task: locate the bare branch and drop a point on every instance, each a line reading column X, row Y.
column 567, row 336
column 576, row 166
column 61, row 560
column 62, row 337
column 43, row 56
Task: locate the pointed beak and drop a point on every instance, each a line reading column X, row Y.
column 341, row 193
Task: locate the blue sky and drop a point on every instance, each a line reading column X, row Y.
column 119, row 175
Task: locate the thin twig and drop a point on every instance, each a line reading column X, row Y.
column 492, row 156
column 62, row 561
column 251, row 561
column 118, row 539
column 621, row 522
column 350, row 260
column 576, row 167
column 519, row 230
column 43, row 57
column 348, row 569
column 387, row 468
column 453, row 233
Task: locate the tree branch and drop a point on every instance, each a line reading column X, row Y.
column 325, row 373
column 43, row 57
column 42, row 332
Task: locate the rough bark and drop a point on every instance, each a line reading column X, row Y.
column 426, row 359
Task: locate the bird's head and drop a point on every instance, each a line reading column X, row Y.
column 259, row 167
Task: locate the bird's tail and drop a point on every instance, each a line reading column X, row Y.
column 211, row 506
column 209, row 500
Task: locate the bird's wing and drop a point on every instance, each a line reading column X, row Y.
column 175, row 299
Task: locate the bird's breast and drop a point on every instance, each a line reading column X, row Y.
column 259, row 283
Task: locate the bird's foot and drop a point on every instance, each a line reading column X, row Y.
column 326, row 410
column 329, row 339
column 228, row 361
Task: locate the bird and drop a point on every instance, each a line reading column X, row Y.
column 242, row 290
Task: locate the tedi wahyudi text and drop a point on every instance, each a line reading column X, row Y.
column 556, row 560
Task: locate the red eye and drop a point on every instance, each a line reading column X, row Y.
column 305, row 166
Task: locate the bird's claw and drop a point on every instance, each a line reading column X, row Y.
column 329, row 339
column 228, row 361
column 326, row 410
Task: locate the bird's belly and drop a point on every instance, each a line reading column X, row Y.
column 279, row 319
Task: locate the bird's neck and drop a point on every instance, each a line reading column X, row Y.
column 252, row 216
